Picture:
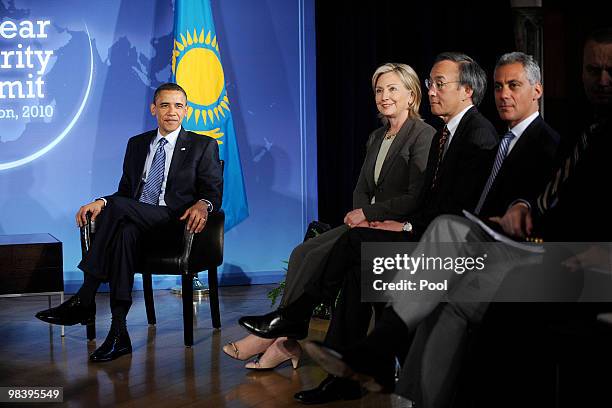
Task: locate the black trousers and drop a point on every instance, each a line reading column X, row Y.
column 114, row 250
column 351, row 317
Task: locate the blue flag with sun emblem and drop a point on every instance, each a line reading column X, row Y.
column 196, row 66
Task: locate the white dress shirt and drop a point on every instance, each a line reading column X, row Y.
column 452, row 126
column 519, row 128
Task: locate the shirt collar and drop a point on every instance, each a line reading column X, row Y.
column 170, row 137
column 520, row 127
column 453, row 124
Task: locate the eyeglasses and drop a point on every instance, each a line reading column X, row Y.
column 437, row 85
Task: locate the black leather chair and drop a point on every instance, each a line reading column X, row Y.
column 183, row 253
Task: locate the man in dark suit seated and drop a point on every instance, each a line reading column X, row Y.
column 570, row 207
column 522, row 165
column 169, row 174
column 432, row 364
column 460, row 159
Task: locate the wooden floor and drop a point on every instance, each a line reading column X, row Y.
column 161, row 372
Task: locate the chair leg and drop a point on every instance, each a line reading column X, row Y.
column 91, row 331
column 147, row 286
column 187, row 289
column 213, row 294
column 90, row 328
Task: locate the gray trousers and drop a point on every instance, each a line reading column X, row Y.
column 433, row 362
column 307, row 261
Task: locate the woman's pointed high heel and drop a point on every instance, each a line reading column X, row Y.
column 281, row 351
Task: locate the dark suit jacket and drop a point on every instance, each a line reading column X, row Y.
column 401, row 177
column 195, row 171
column 582, row 213
column 526, row 170
column 463, row 172
column 529, row 329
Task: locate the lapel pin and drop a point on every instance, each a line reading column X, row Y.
column 183, row 149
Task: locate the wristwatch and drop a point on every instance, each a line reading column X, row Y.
column 208, row 204
column 407, row 227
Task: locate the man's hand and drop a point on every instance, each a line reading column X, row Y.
column 517, row 221
column 196, row 217
column 387, row 225
column 94, row 209
column 595, row 257
column 354, row 218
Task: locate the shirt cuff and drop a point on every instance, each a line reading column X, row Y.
column 520, row 200
column 103, row 199
column 208, row 204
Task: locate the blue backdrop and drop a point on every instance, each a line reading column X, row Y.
column 76, row 79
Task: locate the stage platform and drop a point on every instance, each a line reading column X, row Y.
column 161, row 372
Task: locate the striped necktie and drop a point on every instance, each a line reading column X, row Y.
column 549, row 198
column 152, row 188
column 441, row 145
column 502, row 152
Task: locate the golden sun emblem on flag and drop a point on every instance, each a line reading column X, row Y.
column 197, row 68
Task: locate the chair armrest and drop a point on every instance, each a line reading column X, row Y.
column 187, row 245
column 198, row 252
column 204, row 250
column 87, row 232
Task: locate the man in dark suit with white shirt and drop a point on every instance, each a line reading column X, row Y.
column 459, row 162
column 570, row 207
column 169, row 174
column 434, row 358
column 523, row 162
column 532, row 143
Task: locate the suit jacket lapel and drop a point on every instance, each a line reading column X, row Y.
column 370, row 160
column 458, row 135
column 395, row 147
column 141, row 151
column 181, row 149
column 455, row 142
column 525, row 137
column 431, row 161
column 518, row 148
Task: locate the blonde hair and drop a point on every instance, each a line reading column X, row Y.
column 409, row 79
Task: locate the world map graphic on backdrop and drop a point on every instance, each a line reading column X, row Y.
column 47, row 67
column 95, row 66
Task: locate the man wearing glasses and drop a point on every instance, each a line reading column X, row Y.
column 531, row 339
column 459, row 163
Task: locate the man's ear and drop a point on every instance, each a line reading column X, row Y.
column 153, row 109
column 468, row 91
column 538, row 89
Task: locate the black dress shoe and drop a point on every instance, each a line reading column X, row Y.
column 117, row 344
column 374, row 369
column 331, row 389
column 274, row 325
column 69, row 313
